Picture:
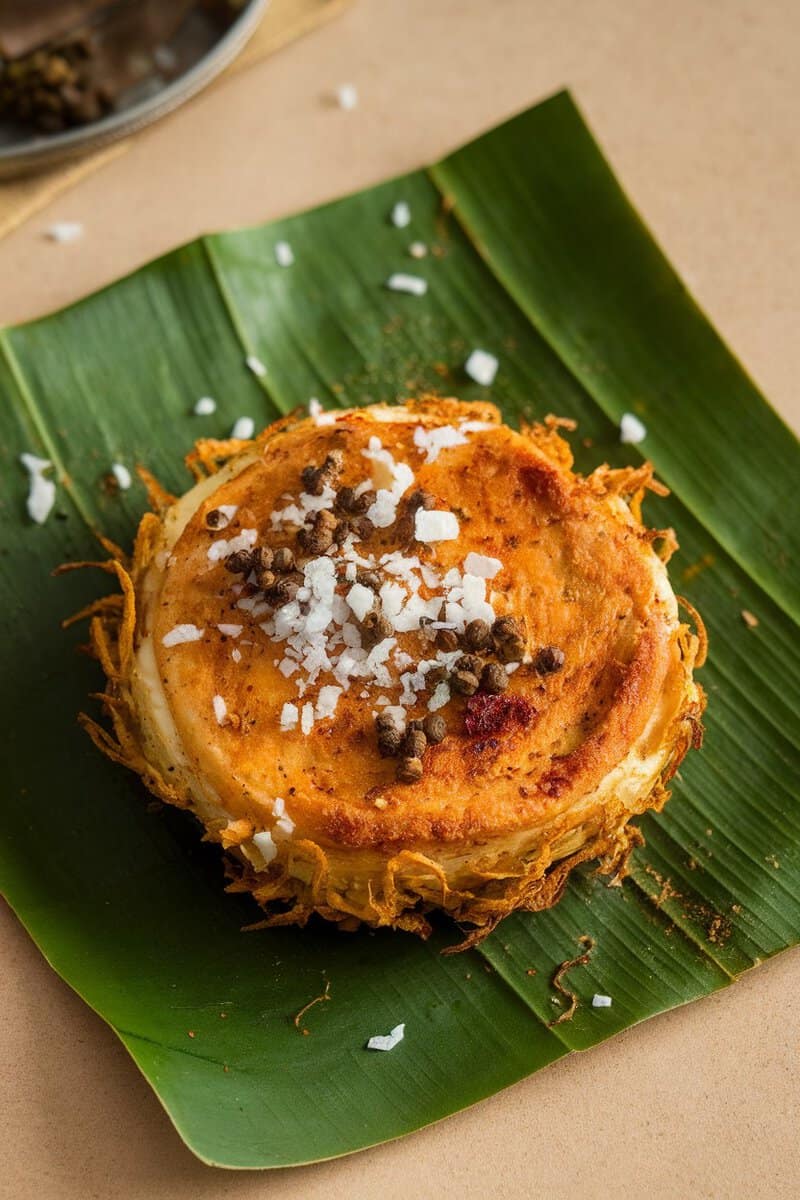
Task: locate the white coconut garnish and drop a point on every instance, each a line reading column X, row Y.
column 318, row 414
column 387, row 1041
column 236, row 655
column 290, row 715
column 401, row 215
column 283, row 828
column 225, row 514
column 243, row 429
column 284, row 255
column 392, row 479
column 431, row 442
column 232, row 631
column 255, row 364
column 307, row 718
column 599, row 1001
column 417, row 249
column 222, row 547
column 182, row 633
column 440, row 697
column 220, row 709
column 361, row 599
column 482, row 565
column 205, row 407
column 398, row 714
column 265, row 845
column 631, row 429
column 327, row 701
column 435, row 525
column 122, row 476
column 414, row 285
column 42, row 492
column 482, row 367
column 347, row 96
column 64, row 231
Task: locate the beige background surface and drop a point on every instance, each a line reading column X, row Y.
column 696, row 103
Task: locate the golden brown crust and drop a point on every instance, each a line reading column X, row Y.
column 513, row 797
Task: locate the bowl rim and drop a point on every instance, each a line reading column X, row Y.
column 43, row 150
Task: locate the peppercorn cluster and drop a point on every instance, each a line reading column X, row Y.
column 54, row 89
column 486, row 648
column 470, row 674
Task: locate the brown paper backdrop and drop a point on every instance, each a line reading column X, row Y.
column 696, row 104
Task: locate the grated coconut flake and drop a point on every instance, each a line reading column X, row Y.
column 347, row 96
column 435, row 525
column 256, row 365
column 482, row 367
column 122, row 476
column 42, row 492
column 181, row 634
column 401, row 215
column 387, row 1041
column 284, row 255
column 632, row 431
column 413, row 285
column 64, row 232
column 290, row 715
column 265, row 845
column 243, row 429
column 482, row 565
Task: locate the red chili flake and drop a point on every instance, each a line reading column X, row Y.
column 486, row 715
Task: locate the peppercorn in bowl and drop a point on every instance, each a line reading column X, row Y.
column 398, row 659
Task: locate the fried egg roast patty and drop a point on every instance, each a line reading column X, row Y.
column 506, row 806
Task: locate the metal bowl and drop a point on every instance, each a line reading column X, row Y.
column 207, row 52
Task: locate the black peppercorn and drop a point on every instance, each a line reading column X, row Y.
column 549, row 660
column 435, row 728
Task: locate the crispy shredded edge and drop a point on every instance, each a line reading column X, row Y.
column 412, row 883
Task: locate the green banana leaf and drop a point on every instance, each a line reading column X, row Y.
column 537, row 256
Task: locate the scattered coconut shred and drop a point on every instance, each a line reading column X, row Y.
column 321, row 633
column 387, row 1041
column 599, row 1001
column 205, row 407
column 401, row 215
column 413, row 285
column 256, row 365
column 632, row 431
column 42, row 491
column 284, row 255
column 64, row 232
column 243, row 428
column 122, row 476
column 482, row 367
column 347, row 96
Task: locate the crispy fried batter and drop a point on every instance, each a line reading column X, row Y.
column 497, row 822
